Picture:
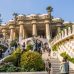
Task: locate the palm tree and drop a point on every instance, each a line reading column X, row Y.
column 15, row 15
column 49, row 9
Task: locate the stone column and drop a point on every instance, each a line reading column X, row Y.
column 69, row 30
column 14, row 35
column 73, row 28
column 59, row 29
column 34, row 28
column 65, row 32
column 21, row 23
column 4, row 33
column 62, row 32
column 11, row 33
column 24, row 33
column 47, row 30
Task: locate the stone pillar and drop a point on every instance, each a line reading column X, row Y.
column 34, row 28
column 65, row 32
column 58, row 29
column 24, row 33
column 73, row 28
column 62, row 33
column 11, row 25
column 4, row 33
column 21, row 23
column 47, row 30
column 11, row 33
column 69, row 30
column 14, row 35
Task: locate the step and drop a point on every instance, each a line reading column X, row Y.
column 55, row 63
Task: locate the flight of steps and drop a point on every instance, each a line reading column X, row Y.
column 55, row 63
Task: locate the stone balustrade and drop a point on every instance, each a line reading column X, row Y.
column 64, row 41
column 63, row 35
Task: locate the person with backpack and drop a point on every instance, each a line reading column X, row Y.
column 64, row 67
column 23, row 47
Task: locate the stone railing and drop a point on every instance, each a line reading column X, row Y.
column 70, row 63
column 64, row 41
column 63, row 35
column 4, row 42
column 8, row 51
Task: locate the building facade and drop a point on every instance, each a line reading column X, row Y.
column 25, row 26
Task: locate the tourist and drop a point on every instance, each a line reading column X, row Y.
column 16, row 45
column 45, row 52
column 46, row 47
column 47, row 66
column 23, row 47
column 0, row 53
column 64, row 67
column 34, row 43
column 38, row 45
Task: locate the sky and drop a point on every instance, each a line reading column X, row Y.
column 61, row 8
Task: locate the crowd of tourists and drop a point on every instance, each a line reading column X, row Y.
column 36, row 45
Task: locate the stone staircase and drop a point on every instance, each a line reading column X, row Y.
column 55, row 63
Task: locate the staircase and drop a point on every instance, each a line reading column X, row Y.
column 55, row 64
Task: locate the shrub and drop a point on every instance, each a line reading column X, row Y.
column 27, row 61
column 9, row 58
column 13, row 43
column 14, row 57
column 29, row 47
column 31, row 61
column 4, row 48
column 9, row 68
column 65, row 55
column 54, row 48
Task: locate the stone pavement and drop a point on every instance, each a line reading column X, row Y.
column 23, row 73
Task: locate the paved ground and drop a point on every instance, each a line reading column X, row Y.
column 24, row 73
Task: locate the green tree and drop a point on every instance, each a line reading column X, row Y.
column 49, row 9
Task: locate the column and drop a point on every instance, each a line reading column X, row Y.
column 59, row 29
column 21, row 31
column 62, row 34
column 73, row 28
column 65, row 32
column 4, row 33
column 11, row 33
column 69, row 30
column 14, row 35
column 34, row 29
column 48, row 31
column 24, row 33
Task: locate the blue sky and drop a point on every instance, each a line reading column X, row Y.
column 61, row 8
